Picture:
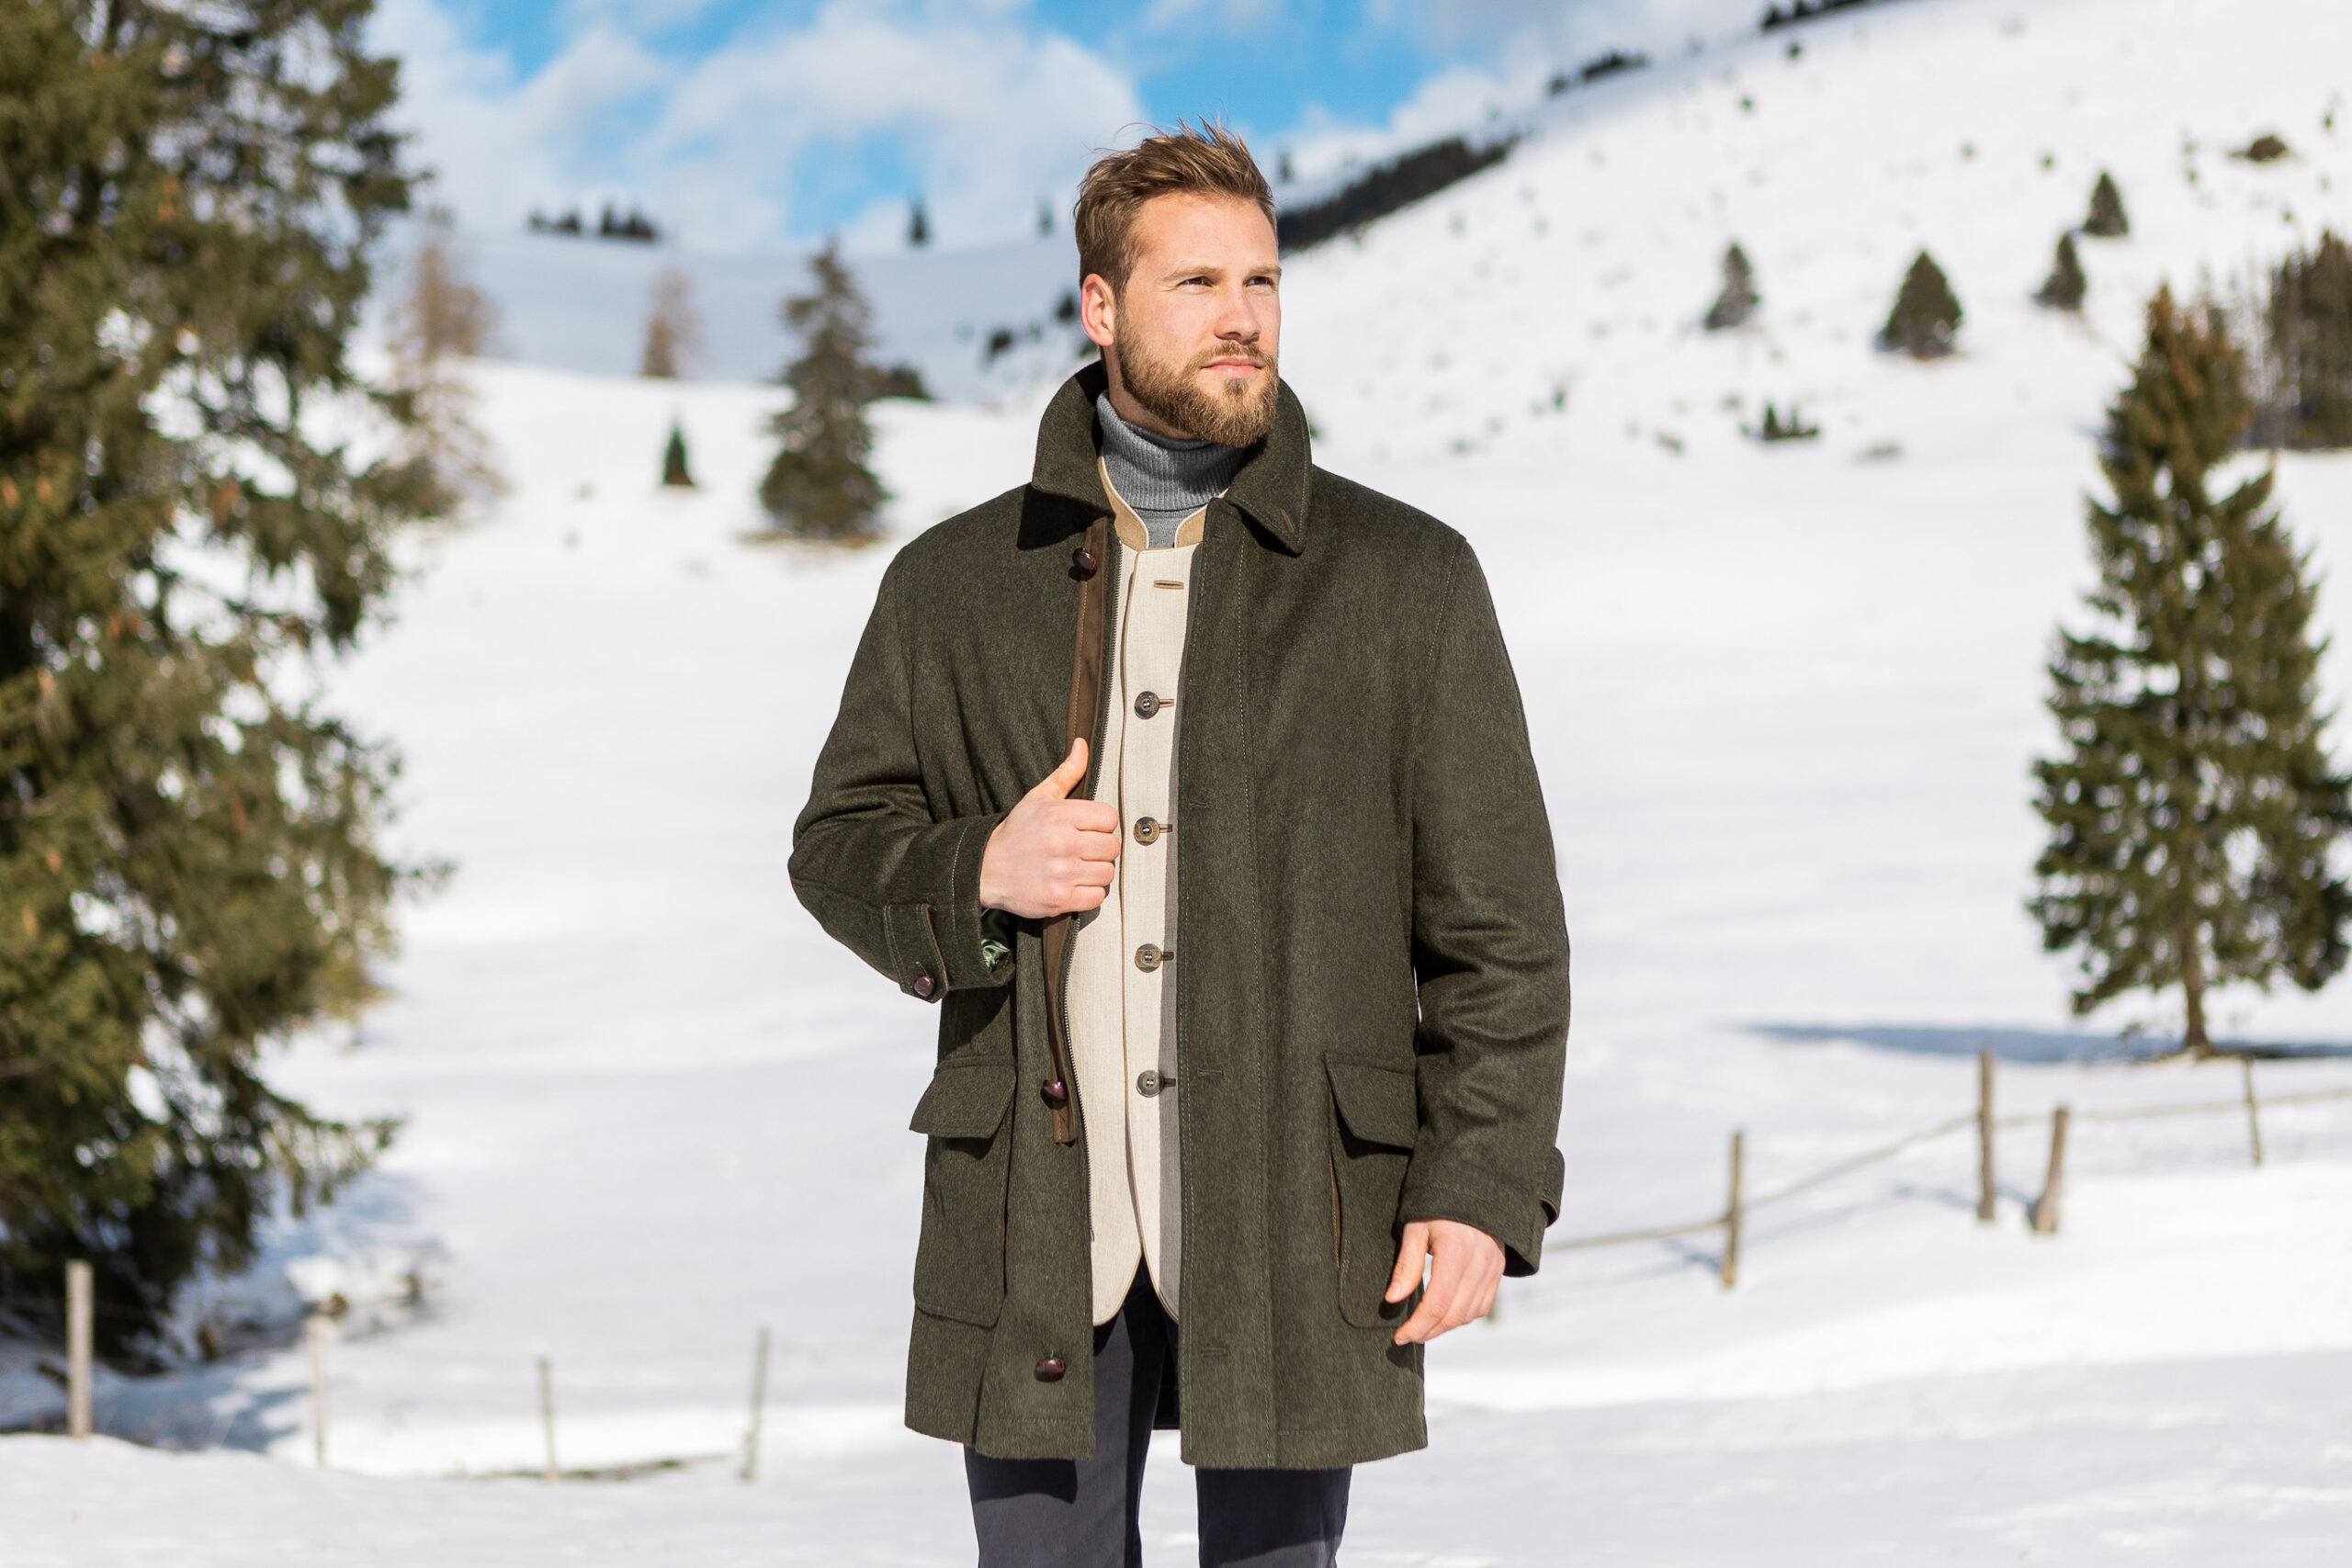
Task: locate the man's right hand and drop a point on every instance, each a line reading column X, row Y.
column 1052, row 855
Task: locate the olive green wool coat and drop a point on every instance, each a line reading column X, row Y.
column 1372, row 1001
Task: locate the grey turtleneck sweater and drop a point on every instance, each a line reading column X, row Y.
column 1165, row 481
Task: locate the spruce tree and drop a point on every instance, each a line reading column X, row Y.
column 1737, row 298
column 675, row 475
column 188, row 870
column 2307, row 333
column 1926, row 315
column 918, row 226
column 2065, row 286
column 2105, row 220
column 819, row 486
column 2195, row 808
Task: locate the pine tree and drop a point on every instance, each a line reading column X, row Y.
column 1926, row 315
column 918, row 226
column 675, row 475
column 1737, row 300
column 673, row 326
column 2194, row 811
column 2064, row 287
column 189, row 195
column 819, row 487
column 2307, row 343
column 2107, row 220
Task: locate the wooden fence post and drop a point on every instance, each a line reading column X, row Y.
column 546, row 1417
column 1985, row 1211
column 314, row 1339
column 2253, row 1116
column 759, row 1402
column 2053, row 1184
column 1733, row 1214
column 80, row 1308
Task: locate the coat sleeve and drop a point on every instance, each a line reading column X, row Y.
column 887, row 878
column 1490, row 943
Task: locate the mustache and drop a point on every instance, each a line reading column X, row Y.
column 1249, row 351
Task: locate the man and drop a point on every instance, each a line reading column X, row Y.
column 1195, row 1144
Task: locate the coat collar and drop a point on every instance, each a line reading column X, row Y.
column 1272, row 489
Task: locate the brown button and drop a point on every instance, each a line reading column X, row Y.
column 1149, row 830
column 1057, row 1092
column 1083, row 561
column 1149, row 958
column 925, row 985
column 1151, row 703
column 1051, row 1368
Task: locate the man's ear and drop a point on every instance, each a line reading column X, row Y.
column 1098, row 309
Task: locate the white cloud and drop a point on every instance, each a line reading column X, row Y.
column 1579, row 30
column 988, row 113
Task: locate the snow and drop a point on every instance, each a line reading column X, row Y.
column 1784, row 699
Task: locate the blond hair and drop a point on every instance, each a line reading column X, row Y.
column 1202, row 160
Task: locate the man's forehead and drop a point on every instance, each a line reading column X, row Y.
column 1191, row 218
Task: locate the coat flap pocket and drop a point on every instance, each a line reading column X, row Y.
column 1377, row 1103
column 965, row 1100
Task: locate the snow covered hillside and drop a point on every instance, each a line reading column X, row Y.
column 1785, row 699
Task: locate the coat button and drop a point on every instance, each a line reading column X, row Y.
column 1151, row 829
column 1051, row 1368
column 1057, row 1092
column 1151, row 1080
column 1149, row 958
column 1082, row 560
column 925, row 985
column 1151, row 703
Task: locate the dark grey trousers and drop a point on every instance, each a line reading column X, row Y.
column 1058, row 1513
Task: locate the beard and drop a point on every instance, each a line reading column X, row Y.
column 1237, row 413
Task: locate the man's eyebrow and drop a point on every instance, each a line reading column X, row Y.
column 1194, row 269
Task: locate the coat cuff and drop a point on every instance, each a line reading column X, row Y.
column 939, row 947
column 1472, row 1195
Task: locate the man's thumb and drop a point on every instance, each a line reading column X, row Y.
column 1058, row 784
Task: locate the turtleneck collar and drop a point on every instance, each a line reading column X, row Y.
column 1162, row 481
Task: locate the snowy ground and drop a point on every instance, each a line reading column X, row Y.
column 1784, row 699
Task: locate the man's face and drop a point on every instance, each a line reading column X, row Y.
column 1192, row 336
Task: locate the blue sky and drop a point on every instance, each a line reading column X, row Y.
column 750, row 126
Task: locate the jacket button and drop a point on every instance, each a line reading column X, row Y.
column 1151, row 1080
column 1149, row 830
column 1051, row 1368
column 925, row 985
column 1151, row 703
column 1149, row 958
column 1083, row 561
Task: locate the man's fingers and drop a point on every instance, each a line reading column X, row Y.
column 1058, row 784
column 1411, row 1248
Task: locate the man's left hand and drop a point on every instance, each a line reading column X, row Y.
column 1466, row 1264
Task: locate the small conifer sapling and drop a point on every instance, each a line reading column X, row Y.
column 2105, row 219
column 1926, row 312
column 1736, row 300
column 2065, row 286
column 2193, row 809
column 675, row 475
column 819, row 487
